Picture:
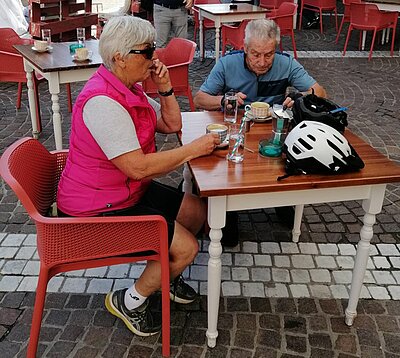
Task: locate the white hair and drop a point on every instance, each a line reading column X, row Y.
column 121, row 34
column 262, row 29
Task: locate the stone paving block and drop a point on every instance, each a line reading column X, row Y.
column 298, row 290
column 55, row 284
column 280, row 275
column 345, row 262
column 300, row 276
column 75, row 285
column 378, row 293
column 395, row 261
column 231, row 289
column 226, row 259
column 381, row 262
column 250, row 247
column 343, row 277
column 328, row 249
column 30, row 240
column 10, row 283
column 240, row 274
column 388, row 249
column 13, row 267
column 13, row 240
column 135, row 271
column 25, row 253
column 327, row 262
column 32, row 268
column 119, row 271
column 281, row 261
column 303, row 261
column 339, row 291
column 2, row 236
column 308, row 248
column 203, row 290
column 226, row 273
column 276, row 290
column 243, row 260
column 320, row 275
column 96, row 272
column 75, row 273
column 98, row 285
column 396, row 275
column 384, row 277
column 29, row 284
column 122, row 283
column 198, row 272
column 253, row 289
column 8, row 252
column 201, row 258
column 289, row 248
column 260, row 274
column 347, row 249
column 262, row 260
column 270, row 248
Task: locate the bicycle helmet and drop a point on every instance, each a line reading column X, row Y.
column 314, row 108
column 316, row 148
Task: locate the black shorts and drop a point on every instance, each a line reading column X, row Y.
column 159, row 199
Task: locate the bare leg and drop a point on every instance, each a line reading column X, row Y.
column 183, row 250
column 193, row 213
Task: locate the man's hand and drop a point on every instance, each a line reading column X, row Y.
column 188, row 4
column 241, row 97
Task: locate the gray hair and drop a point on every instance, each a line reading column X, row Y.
column 262, row 29
column 121, row 34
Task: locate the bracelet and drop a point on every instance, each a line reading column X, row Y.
column 167, row 93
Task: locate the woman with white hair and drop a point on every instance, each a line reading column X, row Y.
column 112, row 161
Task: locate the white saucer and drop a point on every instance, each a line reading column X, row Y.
column 74, row 58
column 40, row 51
column 224, row 144
column 258, row 119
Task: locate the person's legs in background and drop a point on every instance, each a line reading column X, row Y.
column 180, row 23
column 163, row 18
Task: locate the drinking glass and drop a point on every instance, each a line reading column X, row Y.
column 236, row 143
column 80, row 35
column 46, row 36
column 230, row 107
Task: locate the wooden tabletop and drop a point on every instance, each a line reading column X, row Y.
column 223, row 9
column 215, row 175
column 60, row 59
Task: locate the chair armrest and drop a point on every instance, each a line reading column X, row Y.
column 10, row 54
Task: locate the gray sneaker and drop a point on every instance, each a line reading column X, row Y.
column 140, row 320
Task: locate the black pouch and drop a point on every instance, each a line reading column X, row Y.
column 314, row 108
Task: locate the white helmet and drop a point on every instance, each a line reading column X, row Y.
column 314, row 147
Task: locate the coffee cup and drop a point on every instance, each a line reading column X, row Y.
column 82, row 53
column 40, row 45
column 220, row 129
column 260, row 109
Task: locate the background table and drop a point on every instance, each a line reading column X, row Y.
column 220, row 13
column 253, row 184
column 57, row 67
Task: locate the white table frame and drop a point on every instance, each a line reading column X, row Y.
column 372, row 197
column 55, row 79
column 220, row 19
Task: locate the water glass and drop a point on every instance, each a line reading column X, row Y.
column 46, row 36
column 230, row 107
column 80, row 35
column 236, row 143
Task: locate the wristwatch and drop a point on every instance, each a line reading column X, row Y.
column 167, row 93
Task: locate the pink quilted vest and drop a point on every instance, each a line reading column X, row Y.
column 90, row 183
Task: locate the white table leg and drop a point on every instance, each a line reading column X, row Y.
column 372, row 206
column 31, row 99
column 217, row 32
column 187, row 180
column 54, row 89
column 383, row 36
column 216, row 220
column 295, row 17
column 364, row 35
column 298, row 214
column 201, row 38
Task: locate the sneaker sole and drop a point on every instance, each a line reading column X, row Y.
column 179, row 300
column 115, row 312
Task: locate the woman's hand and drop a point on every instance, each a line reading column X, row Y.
column 160, row 76
column 205, row 144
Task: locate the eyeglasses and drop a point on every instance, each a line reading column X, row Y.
column 148, row 52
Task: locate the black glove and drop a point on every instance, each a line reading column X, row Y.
column 294, row 95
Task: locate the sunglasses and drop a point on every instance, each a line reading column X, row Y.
column 148, row 52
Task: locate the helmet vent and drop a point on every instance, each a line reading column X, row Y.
column 305, row 144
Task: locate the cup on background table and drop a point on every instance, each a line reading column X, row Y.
column 40, row 45
column 82, row 54
column 46, row 36
column 236, row 143
column 80, row 35
column 230, row 107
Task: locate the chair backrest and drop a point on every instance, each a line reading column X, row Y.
column 346, row 4
column 362, row 14
column 33, row 173
column 11, row 63
column 284, row 16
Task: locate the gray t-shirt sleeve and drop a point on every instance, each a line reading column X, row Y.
column 111, row 125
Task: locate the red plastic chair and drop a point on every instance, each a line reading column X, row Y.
column 367, row 17
column 12, row 69
column 283, row 16
column 207, row 23
column 177, row 56
column 66, row 244
column 272, row 4
column 319, row 6
column 346, row 15
column 233, row 35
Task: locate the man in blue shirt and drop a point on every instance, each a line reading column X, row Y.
column 258, row 73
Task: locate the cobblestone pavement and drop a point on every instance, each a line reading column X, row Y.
column 280, row 299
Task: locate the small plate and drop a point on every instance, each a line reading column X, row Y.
column 224, row 144
column 40, row 51
column 74, row 58
column 258, row 119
